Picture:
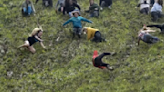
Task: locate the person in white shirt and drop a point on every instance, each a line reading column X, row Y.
column 144, row 6
column 156, row 10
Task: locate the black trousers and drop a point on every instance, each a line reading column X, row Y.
column 98, row 60
column 156, row 15
column 97, row 37
column 144, row 11
column 161, row 27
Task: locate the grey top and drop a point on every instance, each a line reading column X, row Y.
column 60, row 2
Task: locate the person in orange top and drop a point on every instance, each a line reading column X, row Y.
column 93, row 34
column 97, row 62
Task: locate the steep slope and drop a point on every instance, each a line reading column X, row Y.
column 66, row 65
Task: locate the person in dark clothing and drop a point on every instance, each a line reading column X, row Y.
column 46, row 3
column 97, row 60
column 33, row 38
column 146, row 37
column 69, row 7
column 105, row 3
column 161, row 27
column 93, row 9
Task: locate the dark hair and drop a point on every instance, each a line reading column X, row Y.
column 145, row 2
column 160, row 2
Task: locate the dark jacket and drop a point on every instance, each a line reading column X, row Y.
column 68, row 8
column 93, row 7
column 107, row 2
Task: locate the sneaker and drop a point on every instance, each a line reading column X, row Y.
column 110, row 68
column 113, row 53
column 101, row 8
column 109, row 7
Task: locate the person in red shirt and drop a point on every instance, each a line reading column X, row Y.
column 97, row 60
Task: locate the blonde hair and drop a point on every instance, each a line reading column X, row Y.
column 35, row 31
column 84, row 28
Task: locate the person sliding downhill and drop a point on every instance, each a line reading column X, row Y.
column 33, row 38
column 93, row 34
column 76, row 20
column 146, row 37
column 97, row 60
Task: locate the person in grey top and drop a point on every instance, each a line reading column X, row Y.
column 61, row 4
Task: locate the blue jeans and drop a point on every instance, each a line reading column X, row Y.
column 28, row 11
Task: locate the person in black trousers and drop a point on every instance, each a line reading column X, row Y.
column 97, row 60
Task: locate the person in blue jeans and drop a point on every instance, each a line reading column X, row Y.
column 76, row 21
column 28, row 8
column 146, row 37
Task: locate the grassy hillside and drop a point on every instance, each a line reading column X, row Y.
column 65, row 66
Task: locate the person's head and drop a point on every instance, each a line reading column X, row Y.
column 28, row 1
column 75, row 13
column 160, row 2
column 145, row 1
column 37, row 31
column 91, row 2
column 84, row 30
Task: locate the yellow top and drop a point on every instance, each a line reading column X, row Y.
column 91, row 32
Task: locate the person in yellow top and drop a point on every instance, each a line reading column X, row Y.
column 93, row 34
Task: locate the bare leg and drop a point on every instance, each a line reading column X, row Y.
column 32, row 49
column 26, row 44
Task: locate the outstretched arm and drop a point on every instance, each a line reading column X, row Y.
column 86, row 20
column 67, row 22
column 38, row 38
column 42, row 45
column 150, row 30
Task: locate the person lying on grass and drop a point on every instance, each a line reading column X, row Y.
column 144, row 35
column 76, row 21
column 33, row 38
column 93, row 34
column 97, row 60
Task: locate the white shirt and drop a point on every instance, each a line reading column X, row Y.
column 142, row 6
column 156, row 7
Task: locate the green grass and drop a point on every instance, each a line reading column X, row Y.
column 66, row 66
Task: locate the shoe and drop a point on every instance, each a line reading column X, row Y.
column 110, row 68
column 101, row 8
column 113, row 53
